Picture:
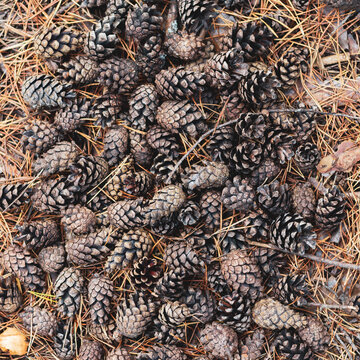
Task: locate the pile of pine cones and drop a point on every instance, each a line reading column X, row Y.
column 100, row 217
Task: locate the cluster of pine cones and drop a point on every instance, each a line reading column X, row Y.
column 144, row 248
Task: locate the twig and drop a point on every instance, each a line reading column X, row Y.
column 329, row 306
column 308, row 256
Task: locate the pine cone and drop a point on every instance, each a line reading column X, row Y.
column 290, row 289
column 101, row 40
column 271, row 314
column 242, row 273
column 256, row 225
column 143, row 21
column 274, row 198
column 200, row 303
column 254, row 344
column 38, row 234
column 80, row 70
column 19, row 262
column 119, row 76
column 267, row 171
column 178, row 83
column 90, row 248
column 238, row 195
column 140, row 149
column 195, row 15
column 163, row 352
column 252, row 126
column 40, row 136
column 10, row 295
column 143, row 107
column 95, row 200
column 119, row 8
column 78, row 220
column 88, row 171
column 166, row 225
column 115, row 144
column 276, row 21
column 71, row 117
column 54, row 195
column 184, row 46
column 38, row 321
column 91, row 350
column 106, row 109
column 52, row 258
column 231, row 239
column 307, row 156
column 150, row 57
column 163, row 141
column 162, row 167
column 127, row 214
column 106, row 333
column 210, row 209
column 221, row 143
column 247, row 156
column 330, row 209
column 269, row 261
column 304, row 123
column 291, row 232
column 13, row 195
column 252, row 38
column 219, row 340
column 134, row 245
column 64, row 341
column 303, row 200
column 169, row 335
column 181, row 116
column 44, row 91
column 119, row 353
column 300, row 4
column 136, row 183
column 100, row 292
column 315, row 335
column 182, row 255
column 212, row 175
column 289, row 344
column 134, row 314
column 55, row 42
column 167, row 200
column 173, row 313
column 145, row 272
column 189, row 215
column 55, row 160
column 235, row 311
column 170, row 286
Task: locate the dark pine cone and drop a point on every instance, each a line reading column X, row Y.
column 189, row 215
column 252, row 126
column 140, row 149
column 269, row 261
column 170, row 286
column 64, row 341
column 303, row 200
column 78, row 220
column 163, row 141
column 10, row 294
column 231, row 239
column 145, row 272
column 307, row 156
column 290, row 289
column 136, row 183
column 166, row 225
column 115, row 144
column 13, row 195
column 256, row 225
column 173, row 313
column 163, row 352
column 162, row 167
column 93, row 3
column 267, row 171
column 210, row 209
column 216, row 281
column 185, row 46
column 106, row 109
column 247, row 156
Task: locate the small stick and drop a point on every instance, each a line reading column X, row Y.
column 329, row 306
column 308, row 256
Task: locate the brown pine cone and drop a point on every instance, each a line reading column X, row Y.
column 182, row 255
column 216, row 281
column 173, row 313
column 315, row 335
column 212, row 175
column 93, row 3
column 106, row 333
column 271, row 314
column 178, row 83
column 290, row 289
column 184, row 46
column 56, row 159
column 307, row 157
column 68, row 288
column 181, row 116
column 189, row 215
column 143, row 104
column 267, row 171
column 219, row 340
column 106, row 109
column 38, row 234
column 38, row 321
column 133, row 245
column 65, row 345
column 238, row 195
column 140, row 149
column 145, row 272
column 136, row 183
column 44, row 91
column 235, row 105
column 171, row 285
column 90, row 248
column 13, row 195
column 100, row 292
column 54, row 195
column 134, row 313
column 40, row 136
column 163, row 352
column 79, row 70
column 19, row 262
column 210, row 209
column 101, row 40
column 256, row 225
column 254, row 346
column 91, row 350
column 119, row 76
column 115, row 144
column 162, row 167
column 142, row 21
column 78, row 220
column 72, row 116
column 167, row 200
column 269, row 261
column 163, row 141
column 242, row 273
column 119, row 353
column 165, row 334
column 55, row 42
column 127, row 214
column 10, row 294
column 52, row 258
column 252, row 126
column 303, row 200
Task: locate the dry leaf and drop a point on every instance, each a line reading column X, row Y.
column 347, row 155
column 13, row 341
